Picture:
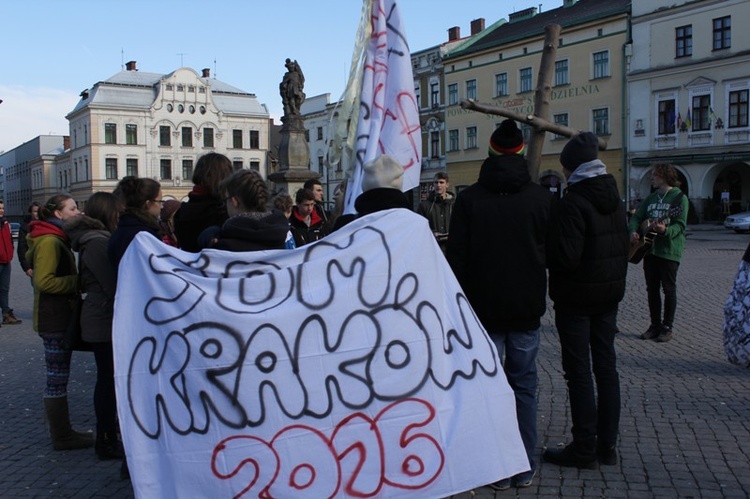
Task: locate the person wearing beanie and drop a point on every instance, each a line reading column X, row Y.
column 587, row 256
column 496, row 250
column 382, row 181
column 668, row 207
column 507, row 139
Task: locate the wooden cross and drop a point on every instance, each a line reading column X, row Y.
column 539, row 121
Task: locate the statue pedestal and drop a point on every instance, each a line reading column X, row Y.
column 294, row 157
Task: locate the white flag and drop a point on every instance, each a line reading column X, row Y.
column 388, row 120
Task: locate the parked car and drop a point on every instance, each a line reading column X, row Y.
column 739, row 222
column 14, row 227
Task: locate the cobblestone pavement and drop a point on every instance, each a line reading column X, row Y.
column 684, row 432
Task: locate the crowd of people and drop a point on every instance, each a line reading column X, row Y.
column 505, row 238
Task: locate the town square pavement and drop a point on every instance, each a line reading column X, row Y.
column 684, row 432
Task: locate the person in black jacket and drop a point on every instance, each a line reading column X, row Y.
column 204, row 207
column 587, row 255
column 437, row 208
column 251, row 226
column 496, row 250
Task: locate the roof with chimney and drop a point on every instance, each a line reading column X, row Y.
column 133, row 89
column 528, row 23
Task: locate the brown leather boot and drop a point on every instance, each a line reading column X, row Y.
column 63, row 436
column 10, row 319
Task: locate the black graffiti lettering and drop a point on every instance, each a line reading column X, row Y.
column 169, row 400
column 337, row 371
column 267, row 374
column 254, row 287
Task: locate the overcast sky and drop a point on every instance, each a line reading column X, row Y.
column 51, row 50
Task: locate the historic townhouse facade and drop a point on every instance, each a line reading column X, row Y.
column 688, row 86
column 27, row 173
column 501, row 68
column 155, row 125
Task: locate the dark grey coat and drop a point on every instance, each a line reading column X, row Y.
column 90, row 239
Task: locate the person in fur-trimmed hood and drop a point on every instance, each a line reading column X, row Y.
column 89, row 236
column 496, row 250
column 587, row 255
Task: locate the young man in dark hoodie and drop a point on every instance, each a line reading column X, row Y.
column 496, row 250
column 587, row 256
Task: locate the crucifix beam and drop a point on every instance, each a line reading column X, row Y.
column 539, row 121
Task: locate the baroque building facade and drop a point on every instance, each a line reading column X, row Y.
column 158, row 125
column 688, row 86
column 501, row 66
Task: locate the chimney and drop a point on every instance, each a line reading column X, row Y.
column 130, row 66
column 477, row 26
column 454, row 33
column 522, row 15
column 206, row 72
column 66, row 142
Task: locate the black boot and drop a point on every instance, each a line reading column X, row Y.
column 108, row 446
column 607, row 454
column 569, row 456
column 63, row 436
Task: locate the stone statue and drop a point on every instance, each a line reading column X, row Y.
column 290, row 88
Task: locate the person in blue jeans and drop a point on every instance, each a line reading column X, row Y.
column 496, row 249
column 587, row 255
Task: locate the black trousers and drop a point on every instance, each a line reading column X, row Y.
column 588, row 341
column 661, row 275
column 105, row 402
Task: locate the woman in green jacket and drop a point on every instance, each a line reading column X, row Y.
column 55, row 291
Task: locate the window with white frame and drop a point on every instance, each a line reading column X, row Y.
column 187, row 136
column 453, row 94
column 131, row 134
column 453, row 140
column 165, row 169
column 600, row 118
column 526, row 82
column 418, row 93
column 187, row 168
column 562, row 120
column 562, row 76
column 435, row 144
column 722, row 33
column 471, row 89
column 666, row 117
column 131, row 167
column 110, row 133
column 701, row 118
column 165, row 136
column 435, row 94
column 684, row 41
column 738, row 108
column 471, row 137
column 601, row 64
column 110, row 168
column 501, row 84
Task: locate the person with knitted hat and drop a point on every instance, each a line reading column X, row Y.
column 507, row 139
column 382, row 181
column 587, row 256
column 496, row 250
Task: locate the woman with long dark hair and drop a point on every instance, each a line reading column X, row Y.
column 89, row 236
column 55, row 292
column 205, row 206
column 141, row 201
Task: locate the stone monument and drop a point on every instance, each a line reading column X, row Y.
column 294, row 155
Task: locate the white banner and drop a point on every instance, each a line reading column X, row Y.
column 389, row 113
column 350, row 367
